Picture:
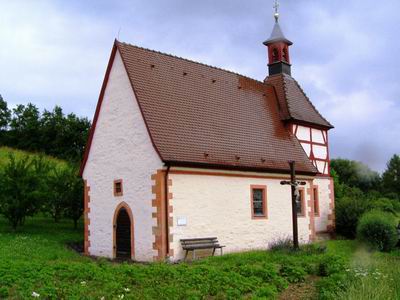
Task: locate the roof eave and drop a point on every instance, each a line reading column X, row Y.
column 271, row 41
column 308, row 123
column 234, row 167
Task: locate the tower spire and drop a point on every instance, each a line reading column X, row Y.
column 276, row 7
column 278, row 47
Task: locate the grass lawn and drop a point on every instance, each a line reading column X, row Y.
column 36, row 259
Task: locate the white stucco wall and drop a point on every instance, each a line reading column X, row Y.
column 321, row 222
column 121, row 149
column 221, row 206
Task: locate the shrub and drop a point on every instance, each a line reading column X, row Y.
column 383, row 204
column 348, row 211
column 313, row 248
column 331, row 264
column 293, row 273
column 282, row 243
column 267, row 292
column 378, row 230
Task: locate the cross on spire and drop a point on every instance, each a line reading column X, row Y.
column 276, row 7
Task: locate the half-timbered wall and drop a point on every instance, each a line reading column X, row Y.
column 315, row 144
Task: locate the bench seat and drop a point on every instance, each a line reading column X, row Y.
column 200, row 244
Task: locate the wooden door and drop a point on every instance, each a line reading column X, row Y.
column 123, row 234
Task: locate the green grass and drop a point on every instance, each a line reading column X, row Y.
column 36, row 259
column 6, row 151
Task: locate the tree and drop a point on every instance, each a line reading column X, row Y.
column 25, row 128
column 20, row 190
column 391, row 177
column 5, row 114
column 73, row 201
column 66, row 194
column 356, row 174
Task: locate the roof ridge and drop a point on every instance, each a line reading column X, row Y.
column 285, row 90
column 191, row 61
column 308, row 99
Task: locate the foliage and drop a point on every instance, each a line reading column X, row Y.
column 378, row 230
column 385, row 205
column 50, row 132
column 391, row 177
column 282, row 243
column 57, row 188
column 21, row 189
column 348, row 211
column 356, row 174
column 5, row 114
column 331, row 264
column 70, row 189
column 329, row 287
column 293, row 273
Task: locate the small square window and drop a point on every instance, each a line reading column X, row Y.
column 118, row 187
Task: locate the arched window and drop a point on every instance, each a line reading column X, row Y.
column 275, row 55
column 284, row 55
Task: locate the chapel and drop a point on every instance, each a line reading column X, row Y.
column 179, row 149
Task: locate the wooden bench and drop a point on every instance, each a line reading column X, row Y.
column 199, row 244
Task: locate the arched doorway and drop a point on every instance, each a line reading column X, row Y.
column 123, row 232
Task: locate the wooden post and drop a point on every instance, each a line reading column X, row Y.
column 294, row 208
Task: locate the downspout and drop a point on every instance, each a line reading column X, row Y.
column 166, row 210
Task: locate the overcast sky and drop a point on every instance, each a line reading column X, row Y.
column 345, row 54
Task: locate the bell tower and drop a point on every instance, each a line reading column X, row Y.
column 278, row 48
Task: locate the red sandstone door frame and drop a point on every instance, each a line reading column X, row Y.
column 129, row 211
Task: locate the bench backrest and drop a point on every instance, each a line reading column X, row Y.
column 199, row 241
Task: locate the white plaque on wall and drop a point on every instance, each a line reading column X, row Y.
column 181, row 221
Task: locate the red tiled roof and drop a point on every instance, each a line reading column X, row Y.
column 203, row 116
column 294, row 103
column 200, row 114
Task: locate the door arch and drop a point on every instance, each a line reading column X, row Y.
column 123, row 241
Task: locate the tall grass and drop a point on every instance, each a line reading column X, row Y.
column 376, row 276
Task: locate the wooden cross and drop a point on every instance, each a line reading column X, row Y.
column 295, row 197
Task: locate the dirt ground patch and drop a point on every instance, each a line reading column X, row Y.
column 301, row 291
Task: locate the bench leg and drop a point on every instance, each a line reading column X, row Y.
column 194, row 254
column 213, row 252
column 186, row 254
column 222, row 251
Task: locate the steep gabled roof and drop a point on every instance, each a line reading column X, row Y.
column 294, row 103
column 203, row 116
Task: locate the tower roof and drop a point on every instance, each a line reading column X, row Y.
column 277, row 36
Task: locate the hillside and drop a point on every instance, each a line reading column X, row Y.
column 6, row 151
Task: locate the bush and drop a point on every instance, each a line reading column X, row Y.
column 348, row 212
column 313, row 248
column 282, row 243
column 293, row 273
column 383, row 204
column 378, row 230
column 331, row 264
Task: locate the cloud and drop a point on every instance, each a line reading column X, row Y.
column 344, row 54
